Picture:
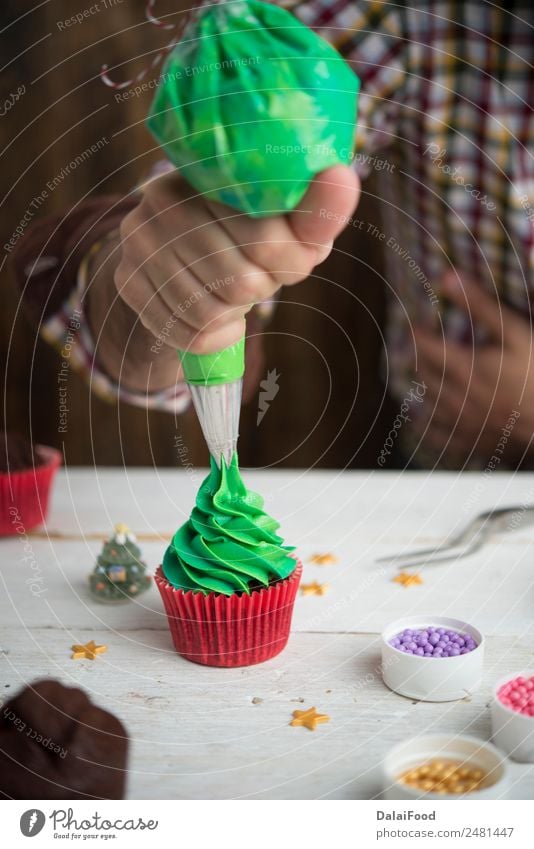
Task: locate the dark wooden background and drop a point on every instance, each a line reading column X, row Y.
column 324, row 341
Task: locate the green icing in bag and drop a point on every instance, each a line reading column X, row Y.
column 229, row 545
column 252, row 105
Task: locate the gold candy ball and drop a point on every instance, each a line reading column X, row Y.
column 444, row 777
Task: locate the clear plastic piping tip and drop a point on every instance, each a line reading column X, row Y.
column 218, row 408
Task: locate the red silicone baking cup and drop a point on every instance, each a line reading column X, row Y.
column 236, row 630
column 24, row 495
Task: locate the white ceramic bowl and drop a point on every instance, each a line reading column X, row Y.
column 468, row 750
column 432, row 679
column 512, row 731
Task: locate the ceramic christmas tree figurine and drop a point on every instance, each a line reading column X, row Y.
column 119, row 574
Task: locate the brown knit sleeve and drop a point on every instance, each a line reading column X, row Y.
column 45, row 260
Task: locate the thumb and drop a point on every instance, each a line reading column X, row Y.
column 483, row 308
column 326, row 207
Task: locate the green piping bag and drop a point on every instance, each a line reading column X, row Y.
column 251, row 105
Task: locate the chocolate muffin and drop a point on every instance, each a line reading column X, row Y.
column 16, row 453
column 56, row 744
column 26, row 475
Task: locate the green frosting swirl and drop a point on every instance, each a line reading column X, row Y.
column 229, row 545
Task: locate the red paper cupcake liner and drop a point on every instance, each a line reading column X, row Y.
column 24, row 495
column 236, row 630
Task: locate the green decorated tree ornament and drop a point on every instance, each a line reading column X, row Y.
column 119, row 574
column 252, row 105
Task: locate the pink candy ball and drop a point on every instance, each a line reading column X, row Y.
column 518, row 695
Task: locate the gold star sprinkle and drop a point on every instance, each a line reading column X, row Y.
column 309, row 718
column 88, row 651
column 121, row 528
column 323, row 559
column 315, row 588
column 407, row 579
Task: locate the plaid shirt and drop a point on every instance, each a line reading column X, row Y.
column 445, row 119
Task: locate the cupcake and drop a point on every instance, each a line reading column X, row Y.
column 227, row 581
column 26, row 474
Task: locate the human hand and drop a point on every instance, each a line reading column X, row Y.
column 193, row 267
column 479, row 399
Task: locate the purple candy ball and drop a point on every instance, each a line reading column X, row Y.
column 433, row 642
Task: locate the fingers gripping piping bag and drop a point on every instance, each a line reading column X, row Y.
column 247, row 80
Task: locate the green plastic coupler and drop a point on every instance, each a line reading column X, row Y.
column 251, row 106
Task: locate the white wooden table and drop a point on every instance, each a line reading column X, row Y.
column 198, row 732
